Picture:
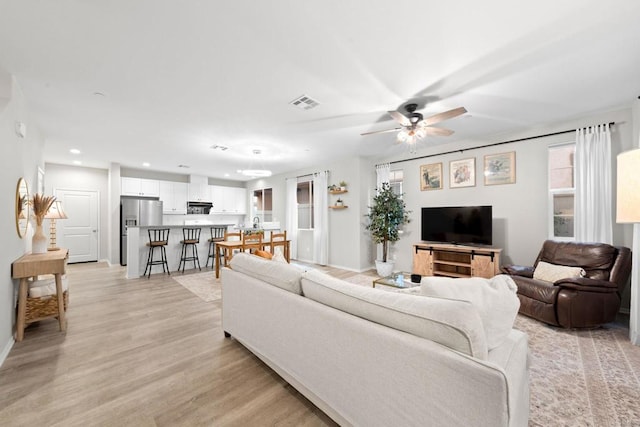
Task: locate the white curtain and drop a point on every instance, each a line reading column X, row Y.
column 593, row 185
column 320, row 218
column 382, row 174
column 292, row 216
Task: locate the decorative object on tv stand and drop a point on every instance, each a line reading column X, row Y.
column 55, row 212
column 41, row 205
column 387, row 215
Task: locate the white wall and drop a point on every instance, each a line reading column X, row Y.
column 520, row 210
column 346, row 232
column 19, row 157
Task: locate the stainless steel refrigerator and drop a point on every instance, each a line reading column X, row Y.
column 135, row 213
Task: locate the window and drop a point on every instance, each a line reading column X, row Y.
column 395, row 181
column 561, row 191
column 305, row 203
column 261, row 205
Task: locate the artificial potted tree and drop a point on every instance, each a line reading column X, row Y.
column 386, row 216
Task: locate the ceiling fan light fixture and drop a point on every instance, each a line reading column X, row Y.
column 403, row 135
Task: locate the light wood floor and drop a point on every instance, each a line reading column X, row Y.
column 144, row 352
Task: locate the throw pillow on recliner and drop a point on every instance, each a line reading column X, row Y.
column 552, row 272
column 495, row 299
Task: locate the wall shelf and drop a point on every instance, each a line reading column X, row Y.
column 338, row 207
column 338, row 191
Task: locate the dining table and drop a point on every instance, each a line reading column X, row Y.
column 225, row 248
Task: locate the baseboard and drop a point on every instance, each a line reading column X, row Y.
column 355, row 270
column 5, row 351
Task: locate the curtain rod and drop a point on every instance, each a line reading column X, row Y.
column 488, row 145
column 307, row 174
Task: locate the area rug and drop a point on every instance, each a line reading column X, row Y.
column 204, row 285
column 582, row 378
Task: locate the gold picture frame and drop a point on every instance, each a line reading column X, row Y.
column 500, row 168
column 462, row 173
column 431, row 177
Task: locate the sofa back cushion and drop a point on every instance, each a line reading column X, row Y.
column 279, row 274
column 495, row 299
column 454, row 324
column 595, row 258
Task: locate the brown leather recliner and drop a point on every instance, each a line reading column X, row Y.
column 580, row 302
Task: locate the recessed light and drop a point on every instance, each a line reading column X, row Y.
column 146, row 164
column 226, row 175
column 77, row 162
column 74, row 151
column 219, row 147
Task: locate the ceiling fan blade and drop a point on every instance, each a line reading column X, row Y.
column 438, row 131
column 380, row 131
column 400, row 118
column 446, row 115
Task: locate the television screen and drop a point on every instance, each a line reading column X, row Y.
column 463, row 224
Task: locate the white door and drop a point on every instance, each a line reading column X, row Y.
column 79, row 232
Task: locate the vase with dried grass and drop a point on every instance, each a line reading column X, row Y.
column 40, row 204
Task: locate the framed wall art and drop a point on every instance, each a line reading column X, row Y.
column 431, row 177
column 500, row 168
column 462, row 173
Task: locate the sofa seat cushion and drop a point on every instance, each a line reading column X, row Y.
column 454, row 324
column 495, row 299
column 537, row 289
column 279, row 274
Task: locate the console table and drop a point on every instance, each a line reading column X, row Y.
column 31, row 265
column 441, row 259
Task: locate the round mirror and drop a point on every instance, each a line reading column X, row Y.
column 22, row 207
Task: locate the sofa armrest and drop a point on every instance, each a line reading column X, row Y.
column 587, row 285
column 518, row 270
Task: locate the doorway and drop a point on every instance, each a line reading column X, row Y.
column 79, row 233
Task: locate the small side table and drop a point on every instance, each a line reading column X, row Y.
column 31, row 265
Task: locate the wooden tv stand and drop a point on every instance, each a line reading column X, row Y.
column 444, row 259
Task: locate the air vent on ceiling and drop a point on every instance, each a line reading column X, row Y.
column 184, row 166
column 304, row 102
column 219, row 147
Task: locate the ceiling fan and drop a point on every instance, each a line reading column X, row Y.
column 414, row 126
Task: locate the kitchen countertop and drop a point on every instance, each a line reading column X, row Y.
column 144, row 227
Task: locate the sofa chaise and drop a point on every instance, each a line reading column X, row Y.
column 370, row 357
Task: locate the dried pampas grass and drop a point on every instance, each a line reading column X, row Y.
column 41, row 205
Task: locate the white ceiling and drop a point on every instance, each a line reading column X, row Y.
column 179, row 77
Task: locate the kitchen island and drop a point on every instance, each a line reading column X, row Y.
column 138, row 251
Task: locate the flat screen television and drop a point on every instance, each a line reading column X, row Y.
column 458, row 225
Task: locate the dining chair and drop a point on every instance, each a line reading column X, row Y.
column 279, row 239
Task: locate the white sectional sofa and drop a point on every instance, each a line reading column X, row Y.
column 368, row 357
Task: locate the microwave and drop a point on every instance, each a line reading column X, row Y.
column 199, row 208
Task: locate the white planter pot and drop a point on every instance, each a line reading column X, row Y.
column 384, row 269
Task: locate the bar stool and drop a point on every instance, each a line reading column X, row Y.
column 190, row 239
column 217, row 235
column 158, row 238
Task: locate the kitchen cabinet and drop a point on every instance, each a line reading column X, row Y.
column 229, row 200
column 199, row 192
column 174, row 197
column 140, row 187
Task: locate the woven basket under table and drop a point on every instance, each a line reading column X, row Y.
column 43, row 307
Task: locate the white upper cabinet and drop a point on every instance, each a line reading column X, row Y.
column 140, row 187
column 229, row 200
column 199, row 193
column 174, row 197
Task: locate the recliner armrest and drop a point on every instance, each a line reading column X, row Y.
column 518, row 270
column 587, row 285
